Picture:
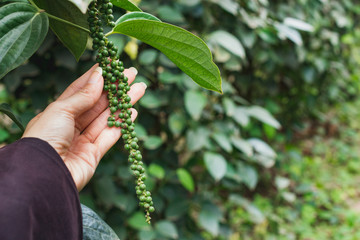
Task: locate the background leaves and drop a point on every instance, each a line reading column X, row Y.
column 272, row 187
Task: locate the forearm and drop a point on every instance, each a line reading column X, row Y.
column 38, row 198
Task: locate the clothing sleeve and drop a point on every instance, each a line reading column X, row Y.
column 38, row 197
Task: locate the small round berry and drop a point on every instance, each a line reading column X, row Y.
column 151, row 209
column 110, row 123
column 143, row 186
column 113, row 109
column 117, row 124
column 113, row 87
column 134, row 145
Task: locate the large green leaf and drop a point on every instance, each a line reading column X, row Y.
column 6, row 109
column 22, row 30
column 94, row 228
column 186, row 50
column 72, row 37
column 127, row 5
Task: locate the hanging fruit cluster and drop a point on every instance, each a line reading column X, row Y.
column 116, row 85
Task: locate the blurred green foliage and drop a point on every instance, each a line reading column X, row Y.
column 211, row 161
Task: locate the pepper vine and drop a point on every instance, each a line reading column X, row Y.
column 116, row 85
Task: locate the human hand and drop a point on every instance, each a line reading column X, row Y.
column 75, row 125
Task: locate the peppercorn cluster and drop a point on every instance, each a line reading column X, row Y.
column 116, row 85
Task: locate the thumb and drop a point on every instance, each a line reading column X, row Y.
column 87, row 96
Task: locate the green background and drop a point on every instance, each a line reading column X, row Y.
column 220, row 166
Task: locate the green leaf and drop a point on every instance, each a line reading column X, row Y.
column 94, row 227
column 22, row 30
column 240, row 116
column 156, row 170
column 148, row 56
column 81, row 4
column 223, row 141
column 136, row 16
column 194, row 103
column 228, row 5
column 127, row 5
column 170, row 14
column 186, row 50
column 72, row 37
column 287, row 32
column 196, row 139
column 248, row 175
column 167, row 229
column 298, row 24
column 263, row 115
column 138, row 221
column 6, row 109
column 185, row 179
column 152, row 142
column 209, row 218
column 216, row 165
column 229, row 42
column 177, row 123
column 242, row 145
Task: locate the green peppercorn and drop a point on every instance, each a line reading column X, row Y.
column 113, row 109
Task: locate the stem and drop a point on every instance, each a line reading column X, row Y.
column 59, row 19
column 67, row 22
column 109, row 33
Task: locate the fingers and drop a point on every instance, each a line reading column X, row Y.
column 100, row 123
column 87, row 117
column 87, row 96
column 78, row 84
column 136, row 92
column 109, row 136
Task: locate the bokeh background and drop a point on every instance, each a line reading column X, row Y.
column 275, row 157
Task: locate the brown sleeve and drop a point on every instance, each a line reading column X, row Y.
column 38, row 197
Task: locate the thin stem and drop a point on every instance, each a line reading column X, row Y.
column 32, row 3
column 59, row 19
column 67, row 22
column 109, row 33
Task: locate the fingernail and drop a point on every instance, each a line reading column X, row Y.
column 134, row 70
column 94, row 78
column 144, row 84
column 99, row 70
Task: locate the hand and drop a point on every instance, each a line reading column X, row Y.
column 75, row 125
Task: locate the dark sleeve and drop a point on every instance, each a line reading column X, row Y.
column 38, row 197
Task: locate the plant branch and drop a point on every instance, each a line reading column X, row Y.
column 59, row 19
